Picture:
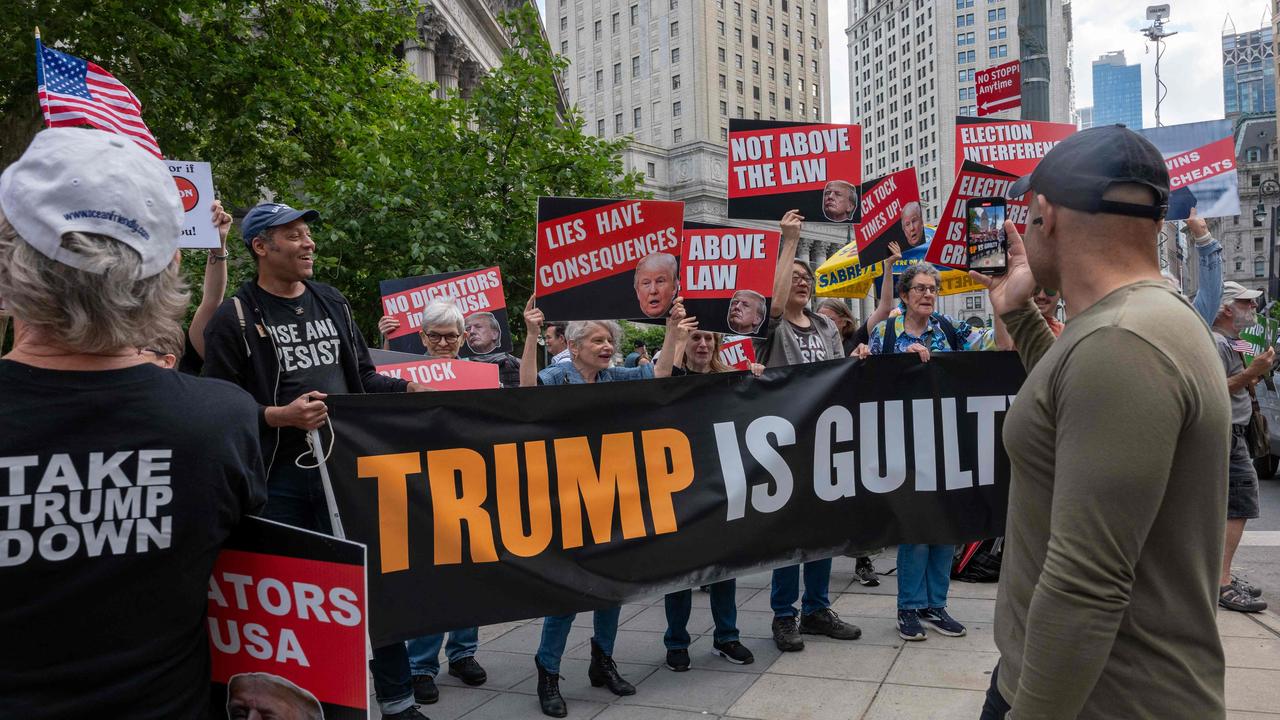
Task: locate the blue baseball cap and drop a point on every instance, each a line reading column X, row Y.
column 269, row 215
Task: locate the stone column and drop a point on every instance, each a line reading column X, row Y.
column 421, row 52
column 468, row 77
column 447, row 64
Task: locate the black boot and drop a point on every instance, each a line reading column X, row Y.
column 549, row 693
column 604, row 671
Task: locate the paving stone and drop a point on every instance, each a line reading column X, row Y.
column 458, row 701
column 1252, row 652
column 1238, row 715
column 754, row 599
column 928, row 667
column 961, row 589
column 1234, row 624
column 518, row 706
column 710, row 691
column 587, row 619
column 639, row 712
column 756, row 623
column 492, row 632
column 785, row 697
column 633, row 646
column 756, row 580
column 870, row 663
column 654, row 619
column 903, row 702
column 1253, row 690
column 866, row 605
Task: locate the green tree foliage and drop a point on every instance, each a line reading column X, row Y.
column 309, row 100
column 436, row 185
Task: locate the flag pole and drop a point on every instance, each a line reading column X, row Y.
column 44, row 107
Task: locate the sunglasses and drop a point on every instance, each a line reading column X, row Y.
column 1046, row 291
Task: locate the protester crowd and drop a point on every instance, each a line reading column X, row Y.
column 1124, row 512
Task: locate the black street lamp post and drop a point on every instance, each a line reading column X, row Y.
column 1269, row 189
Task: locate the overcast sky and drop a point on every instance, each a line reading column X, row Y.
column 1191, row 67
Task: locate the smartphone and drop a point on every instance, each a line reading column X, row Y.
column 985, row 238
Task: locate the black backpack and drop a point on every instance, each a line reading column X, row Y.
column 978, row 561
column 891, row 334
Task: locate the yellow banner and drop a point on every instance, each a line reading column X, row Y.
column 842, row 277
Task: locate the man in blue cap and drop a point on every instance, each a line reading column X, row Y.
column 291, row 342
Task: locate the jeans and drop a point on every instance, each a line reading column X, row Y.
column 786, row 588
column 724, row 611
column 924, row 575
column 296, row 497
column 555, row 633
column 424, row 652
column 995, row 707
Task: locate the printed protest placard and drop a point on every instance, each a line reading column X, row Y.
column 726, row 276
column 438, row 374
column 738, row 352
column 999, row 88
column 890, row 213
column 607, row 259
column 477, row 293
column 195, row 188
column 1201, row 158
column 778, row 166
column 287, row 624
column 1014, row 146
column 973, row 181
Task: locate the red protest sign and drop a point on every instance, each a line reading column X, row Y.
column 738, row 352
column 603, row 259
column 726, row 276
column 287, row 612
column 1202, row 163
column 473, row 291
column 439, row 374
column 777, row 166
column 973, row 181
column 1014, row 146
column 890, row 213
column 999, row 88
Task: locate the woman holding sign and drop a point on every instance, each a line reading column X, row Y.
column 592, row 344
column 798, row 335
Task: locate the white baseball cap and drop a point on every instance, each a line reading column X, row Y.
column 91, row 181
column 1232, row 291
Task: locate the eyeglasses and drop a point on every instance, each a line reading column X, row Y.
column 438, row 338
column 1046, row 291
column 799, row 279
column 925, row 289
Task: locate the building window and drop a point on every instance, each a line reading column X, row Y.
column 600, row 127
column 564, row 24
column 617, row 123
column 617, row 73
column 724, row 108
column 741, row 87
column 599, row 80
column 737, row 61
column 564, row 47
column 755, row 93
column 677, row 135
column 720, row 26
column 675, row 82
column 651, row 170
column 786, row 103
column 773, row 99
column 722, row 81
column 724, row 134
column 675, row 109
column 615, row 23
column 675, row 28
column 996, row 15
column 635, row 66
column 720, row 54
column 635, row 15
column 599, row 29
column 635, row 118
column 675, row 56
column 1259, row 268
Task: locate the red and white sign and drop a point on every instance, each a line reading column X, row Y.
column 973, row 181
column 738, row 352
column 1014, row 146
column 890, row 213
column 726, row 276
column 999, row 88
column 479, row 291
column 194, row 181
column 793, row 159
column 289, row 606
column 440, row 374
column 1192, row 166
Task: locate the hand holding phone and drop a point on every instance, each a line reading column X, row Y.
column 988, row 248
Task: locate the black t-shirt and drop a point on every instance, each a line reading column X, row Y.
column 117, row 490
column 309, row 350
column 191, row 363
column 859, row 337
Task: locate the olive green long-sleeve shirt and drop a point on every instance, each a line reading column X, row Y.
column 1118, row 442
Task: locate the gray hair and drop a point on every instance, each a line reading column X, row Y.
column 442, row 312
column 303, row 700
column 493, row 321
column 669, row 261
column 921, row 268
column 906, row 209
column 578, row 331
column 100, row 309
column 755, row 297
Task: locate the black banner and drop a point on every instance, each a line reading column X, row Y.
column 492, row 505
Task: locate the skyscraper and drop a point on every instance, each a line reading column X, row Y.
column 1117, row 92
column 670, row 73
column 1248, row 71
column 1086, row 118
column 911, row 72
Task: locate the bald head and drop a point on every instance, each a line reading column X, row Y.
column 270, row 696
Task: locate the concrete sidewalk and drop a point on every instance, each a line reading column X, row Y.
column 879, row 677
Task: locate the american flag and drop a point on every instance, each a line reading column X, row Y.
column 1242, row 346
column 78, row 92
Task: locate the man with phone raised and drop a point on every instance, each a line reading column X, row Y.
column 1117, row 442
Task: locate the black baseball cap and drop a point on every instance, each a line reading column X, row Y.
column 1077, row 172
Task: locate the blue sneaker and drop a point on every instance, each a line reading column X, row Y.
column 942, row 622
column 909, row 627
